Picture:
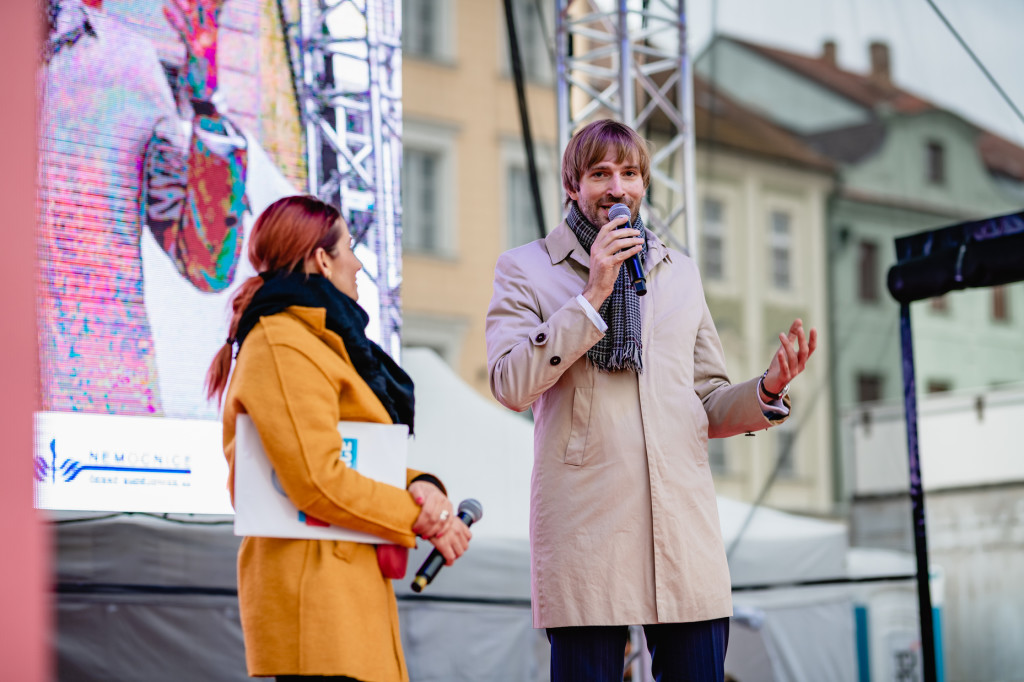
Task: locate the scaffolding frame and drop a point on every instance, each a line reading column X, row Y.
column 347, row 64
column 627, row 60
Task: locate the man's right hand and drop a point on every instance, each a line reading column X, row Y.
column 611, row 248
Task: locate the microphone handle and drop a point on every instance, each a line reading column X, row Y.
column 636, row 275
column 427, row 571
column 636, row 268
column 430, row 568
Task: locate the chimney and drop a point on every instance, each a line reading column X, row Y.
column 880, row 63
column 828, row 52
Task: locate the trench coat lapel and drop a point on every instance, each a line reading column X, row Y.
column 561, row 243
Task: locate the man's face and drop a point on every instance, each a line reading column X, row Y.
column 606, row 183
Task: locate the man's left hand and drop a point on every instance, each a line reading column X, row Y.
column 791, row 358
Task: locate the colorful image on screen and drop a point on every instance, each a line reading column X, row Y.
column 165, row 127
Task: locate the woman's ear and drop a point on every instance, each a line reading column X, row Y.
column 323, row 262
column 317, row 263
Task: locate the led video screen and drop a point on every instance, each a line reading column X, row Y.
column 165, row 127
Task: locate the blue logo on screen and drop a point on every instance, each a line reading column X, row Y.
column 350, row 452
column 121, row 462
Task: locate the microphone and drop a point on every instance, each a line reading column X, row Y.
column 635, row 267
column 470, row 511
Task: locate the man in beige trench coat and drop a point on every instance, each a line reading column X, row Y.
column 625, row 391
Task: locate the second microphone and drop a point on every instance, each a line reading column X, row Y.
column 470, row 511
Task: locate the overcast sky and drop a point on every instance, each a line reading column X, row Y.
column 925, row 57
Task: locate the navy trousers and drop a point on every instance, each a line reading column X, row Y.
column 680, row 652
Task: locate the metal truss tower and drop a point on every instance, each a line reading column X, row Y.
column 347, row 61
column 627, row 60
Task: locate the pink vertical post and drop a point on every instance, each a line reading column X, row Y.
column 25, row 570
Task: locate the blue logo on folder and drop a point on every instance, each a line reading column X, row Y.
column 350, row 452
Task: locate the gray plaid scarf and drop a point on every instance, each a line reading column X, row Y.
column 620, row 348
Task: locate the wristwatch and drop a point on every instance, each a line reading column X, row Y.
column 773, row 396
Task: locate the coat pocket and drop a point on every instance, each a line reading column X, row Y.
column 581, row 402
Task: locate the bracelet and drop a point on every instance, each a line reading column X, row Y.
column 773, row 396
column 429, row 478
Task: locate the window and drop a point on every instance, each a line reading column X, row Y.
column 1000, row 304
column 420, row 191
column 522, row 216
column 939, row 385
column 426, row 29
column 535, row 31
column 780, row 243
column 716, row 456
column 713, row 247
column 936, row 163
column 867, row 272
column 442, row 334
column 869, row 387
column 428, row 191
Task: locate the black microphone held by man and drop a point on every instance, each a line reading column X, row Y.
column 636, row 267
column 470, row 511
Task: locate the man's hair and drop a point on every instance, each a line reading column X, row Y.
column 590, row 145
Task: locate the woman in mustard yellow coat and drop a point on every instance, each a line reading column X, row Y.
column 320, row 608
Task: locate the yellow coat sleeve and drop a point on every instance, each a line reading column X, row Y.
column 293, row 400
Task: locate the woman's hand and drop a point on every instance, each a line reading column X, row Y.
column 436, row 515
column 453, row 542
column 437, row 521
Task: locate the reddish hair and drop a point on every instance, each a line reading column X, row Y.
column 284, row 236
column 590, row 145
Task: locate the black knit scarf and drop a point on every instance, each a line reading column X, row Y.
column 345, row 318
column 620, row 348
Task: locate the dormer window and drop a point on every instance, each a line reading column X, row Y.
column 935, row 160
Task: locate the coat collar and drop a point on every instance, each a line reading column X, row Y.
column 561, row 243
column 314, row 318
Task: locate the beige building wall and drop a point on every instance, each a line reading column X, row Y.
column 468, row 100
column 750, row 311
column 465, row 102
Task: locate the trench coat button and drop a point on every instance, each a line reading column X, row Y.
column 540, row 337
column 555, row 360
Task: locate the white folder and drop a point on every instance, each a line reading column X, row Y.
column 262, row 509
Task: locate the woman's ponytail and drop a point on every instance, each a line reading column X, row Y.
column 220, row 368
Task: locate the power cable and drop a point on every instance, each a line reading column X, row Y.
column 977, row 61
column 548, row 45
column 524, row 116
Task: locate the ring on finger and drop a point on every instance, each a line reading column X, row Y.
column 444, row 515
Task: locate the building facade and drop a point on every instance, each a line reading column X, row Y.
column 762, row 198
column 904, row 166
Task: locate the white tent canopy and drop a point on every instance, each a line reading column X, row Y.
column 479, row 449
